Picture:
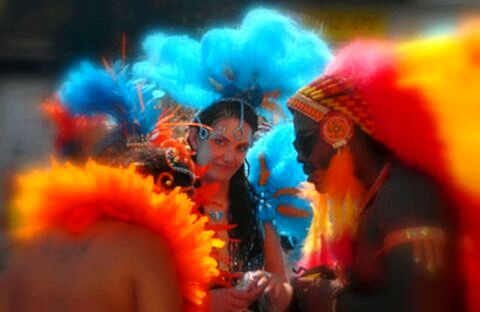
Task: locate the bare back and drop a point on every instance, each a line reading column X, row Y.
column 112, row 266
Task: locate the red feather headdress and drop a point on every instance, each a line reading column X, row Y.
column 421, row 99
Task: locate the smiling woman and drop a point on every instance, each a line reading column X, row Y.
column 232, row 209
column 224, row 149
column 230, row 75
column 223, row 152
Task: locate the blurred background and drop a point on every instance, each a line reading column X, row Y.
column 40, row 40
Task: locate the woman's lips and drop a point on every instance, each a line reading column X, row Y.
column 225, row 167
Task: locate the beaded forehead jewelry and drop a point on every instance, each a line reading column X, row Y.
column 219, row 131
column 238, row 132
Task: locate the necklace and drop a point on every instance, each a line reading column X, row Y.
column 215, row 211
column 216, row 215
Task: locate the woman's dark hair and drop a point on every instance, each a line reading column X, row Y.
column 229, row 107
column 242, row 210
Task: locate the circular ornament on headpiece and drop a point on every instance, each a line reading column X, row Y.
column 336, row 129
column 165, row 180
column 238, row 132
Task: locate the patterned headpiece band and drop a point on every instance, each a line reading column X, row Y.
column 330, row 93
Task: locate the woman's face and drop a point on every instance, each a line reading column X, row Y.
column 224, row 150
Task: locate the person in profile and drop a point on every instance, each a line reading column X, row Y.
column 380, row 135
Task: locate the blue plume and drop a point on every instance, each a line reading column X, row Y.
column 173, row 63
column 90, row 90
column 280, row 158
column 268, row 52
column 132, row 104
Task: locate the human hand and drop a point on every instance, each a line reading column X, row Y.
column 312, row 292
column 277, row 293
column 230, row 299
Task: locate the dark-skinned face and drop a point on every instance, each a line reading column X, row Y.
column 313, row 152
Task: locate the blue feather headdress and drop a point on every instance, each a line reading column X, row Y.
column 137, row 118
column 131, row 104
column 268, row 54
column 272, row 159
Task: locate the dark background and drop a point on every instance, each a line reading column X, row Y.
column 49, row 34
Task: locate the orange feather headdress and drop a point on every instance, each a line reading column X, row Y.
column 73, row 198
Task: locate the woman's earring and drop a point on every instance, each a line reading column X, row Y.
column 203, row 133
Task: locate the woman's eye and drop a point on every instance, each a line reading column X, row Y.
column 244, row 148
column 219, row 142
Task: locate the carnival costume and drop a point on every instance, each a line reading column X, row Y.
column 129, row 116
column 420, row 100
column 73, row 198
column 123, row 118
column 277, row 177
column 259, row 65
